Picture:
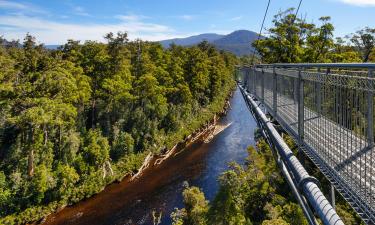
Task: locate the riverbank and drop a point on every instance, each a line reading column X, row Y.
column 152, row 165
column 159, row 188
column 130, row 169
column 205, row 134
column 129, row 191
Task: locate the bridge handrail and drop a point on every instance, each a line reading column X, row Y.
column 318, row 65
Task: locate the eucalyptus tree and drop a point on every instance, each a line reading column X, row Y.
column 364, row 42
column 285, row 40
column 319, row 42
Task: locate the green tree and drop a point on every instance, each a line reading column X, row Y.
column 197, row 75
column 196, row 206
column 319, row 42
column 96, row 149
column 41, row 182
column 122, row 146
column 278, row 221
column 229, row 204
column 364, row 42
column 285, row 43
column 66, row 177
column 5, row 195
column 94, row 65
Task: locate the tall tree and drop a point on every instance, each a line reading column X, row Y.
column 364, row 41
column 286, row 39
column 319, row 42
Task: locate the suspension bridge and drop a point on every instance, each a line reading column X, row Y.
column 328, row 109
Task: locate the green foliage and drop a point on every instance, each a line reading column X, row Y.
column 293, row 40
column 4, row 192
column 75, row 119
column 364, row 42
column 277, row 221
column 66, row 177
column 229, row 204
column 252, row 195
column 195, row 205
column 96, row 149
column 122, row 146
column 41, row 182
column 196, row 208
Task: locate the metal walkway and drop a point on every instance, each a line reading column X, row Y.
column 328, row 109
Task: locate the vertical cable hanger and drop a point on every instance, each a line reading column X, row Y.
column 296, row 14
column 260, row 32
column 293, row 21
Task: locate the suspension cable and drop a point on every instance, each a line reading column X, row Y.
column 260, row 32
column 293, row 20
column 296, row 14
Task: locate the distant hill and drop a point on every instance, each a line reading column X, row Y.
column 192, row 40
column 52, row 47
column 237, row 42
column 14, row 43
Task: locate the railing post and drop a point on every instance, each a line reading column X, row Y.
column 248, row 74
column 262, row 85
column 301, row 106
column 333, row 197
column 295, row 90
column 370, row 114
column 244, row 81
column 254, row 81
column 247, row 79
column 274, row 91
column 319, row 96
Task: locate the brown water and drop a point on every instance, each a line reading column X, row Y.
column 159, row 188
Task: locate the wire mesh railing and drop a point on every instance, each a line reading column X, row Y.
column 328, row 109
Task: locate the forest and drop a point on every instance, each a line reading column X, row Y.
column 75, row 119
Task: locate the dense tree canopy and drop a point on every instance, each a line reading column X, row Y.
column 76, row 118
column 293, row 40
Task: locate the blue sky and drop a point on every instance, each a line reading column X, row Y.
column 55, row 21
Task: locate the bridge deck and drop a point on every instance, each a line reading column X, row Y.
column 341, row 148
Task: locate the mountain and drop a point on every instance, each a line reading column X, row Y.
column 237, row 42
column 17, row 44
column 192, row 40
column 52, row 47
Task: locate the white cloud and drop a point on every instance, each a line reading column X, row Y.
column 11, row 5
column 50, row 32
column 359, row 2
column 21, row 8
column 235, row 18
column 131, row 17
column 187, row 17
column 78, row 10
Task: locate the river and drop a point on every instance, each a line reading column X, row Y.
column 160, row 189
